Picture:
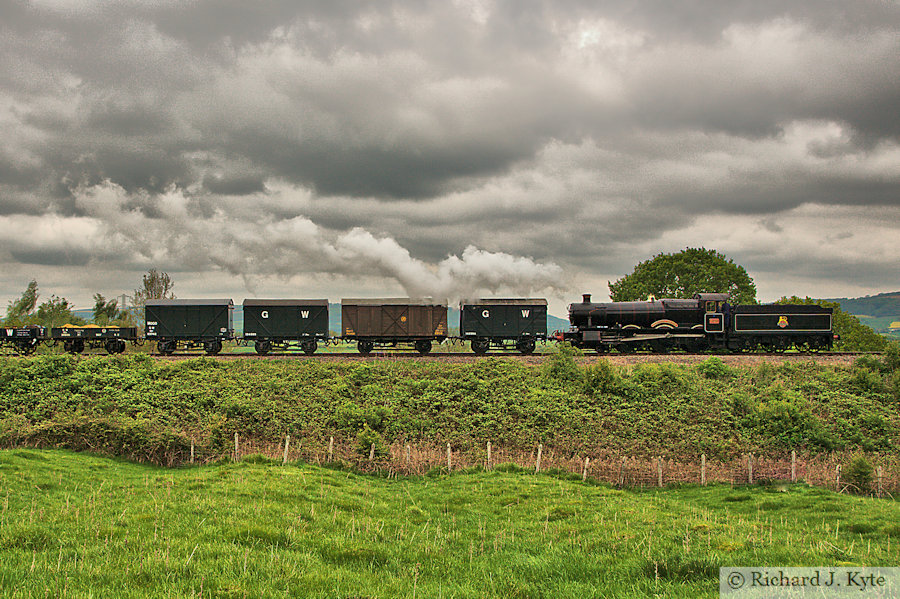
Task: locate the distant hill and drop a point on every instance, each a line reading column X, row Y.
column 876, row 311
column 875, row 306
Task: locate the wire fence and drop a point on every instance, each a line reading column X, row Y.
column 828, row 470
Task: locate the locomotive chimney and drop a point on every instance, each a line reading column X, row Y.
column 586, row 298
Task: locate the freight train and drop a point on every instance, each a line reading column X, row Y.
column 705, row 322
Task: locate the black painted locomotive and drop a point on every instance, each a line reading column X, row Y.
column 705, row 322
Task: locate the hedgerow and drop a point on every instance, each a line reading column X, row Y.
column 139, row 407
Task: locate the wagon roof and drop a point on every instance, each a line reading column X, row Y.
column 504, row 301
column 190, row 302
column 285, row 302
column 392, row 301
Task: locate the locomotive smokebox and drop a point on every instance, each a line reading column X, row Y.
column 585, row 298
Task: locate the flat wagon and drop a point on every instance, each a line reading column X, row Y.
column 76, row 338
column 23, row 340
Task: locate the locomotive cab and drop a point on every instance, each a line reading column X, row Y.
column 715, row 312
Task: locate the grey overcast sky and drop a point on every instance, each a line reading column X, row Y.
column 448, row 148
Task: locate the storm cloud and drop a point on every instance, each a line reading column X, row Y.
column 446, row 148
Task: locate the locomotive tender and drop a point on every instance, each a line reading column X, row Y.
column 705, row 322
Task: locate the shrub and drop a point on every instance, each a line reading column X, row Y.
column 600, row 378
column 859, row 474
column 714, row 368
column 365, row 438
column 867, row 381
column 892, row 357
column 561, row 366
column 895, row 384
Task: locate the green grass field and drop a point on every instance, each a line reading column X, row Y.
column 75, row 525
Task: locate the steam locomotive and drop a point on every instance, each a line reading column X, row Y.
column 705, row 322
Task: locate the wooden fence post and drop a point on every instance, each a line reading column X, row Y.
column 621, row 479
column 372, row 452
column 331, row 449
column 449, row 459
column 235, row 447
column 408, row 454
column 793, row 465
column 537, row 462
column 287, row 444
column 703, row 470
column 584, row 472
column 488, row 464
column 659, row 471
column 837, row 477
column 750, row 468
column 878, row 475
column 192, row 451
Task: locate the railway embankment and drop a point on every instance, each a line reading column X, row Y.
column 165, row 411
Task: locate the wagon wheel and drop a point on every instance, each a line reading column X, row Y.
column 112, row 346
column 365, row 347
column 263, row 347
column 24, row 349
column 480, row 345
column 212, row 347
column 525, row 346
column 423, row 346
column 309, row 346
column 74, row 346
column 624, row 348
column 166, row 348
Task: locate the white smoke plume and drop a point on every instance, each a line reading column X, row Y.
column 253, row 250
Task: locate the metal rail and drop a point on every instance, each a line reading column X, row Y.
column 469, row 355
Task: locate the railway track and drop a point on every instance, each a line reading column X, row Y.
column 461, row 357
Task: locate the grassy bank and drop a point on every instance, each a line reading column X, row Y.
column 76, row 525
column 145, row 409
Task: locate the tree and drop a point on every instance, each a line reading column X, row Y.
column 855, row 336
column 684, row 274
column 56, row 312
column 18, row 312
column 105, row 311
column 154, row 285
